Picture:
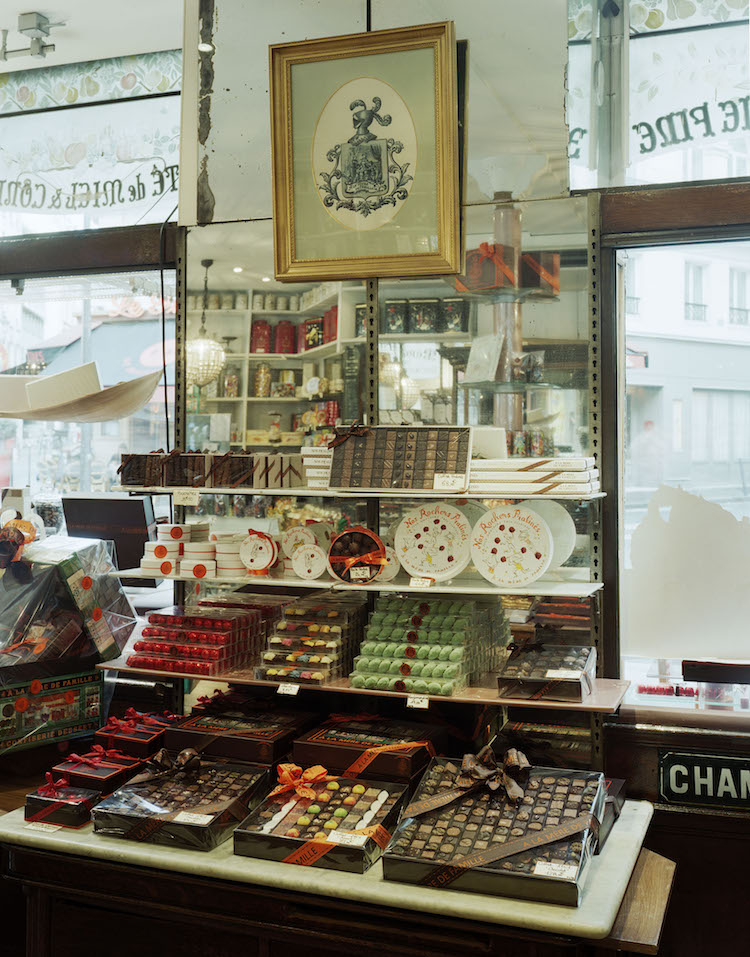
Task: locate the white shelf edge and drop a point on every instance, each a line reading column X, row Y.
column 353, row 493
column 567, row 589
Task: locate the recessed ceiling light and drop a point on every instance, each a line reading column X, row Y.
column 265, row 278
column 237, row 269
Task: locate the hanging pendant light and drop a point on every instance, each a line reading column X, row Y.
column 204, row 357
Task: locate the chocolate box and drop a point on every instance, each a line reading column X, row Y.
column 344, row 827
column 191, row 807
column 555, row 672
column 59, row 803
column 260, row 736
column 139, row 740
column 428, row 848
column 488, row 269
column 394, row 316
column 351, row 747
column 101, row 772
column 612, row 808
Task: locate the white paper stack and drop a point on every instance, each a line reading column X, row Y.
column 506, row 478
column 316, row 462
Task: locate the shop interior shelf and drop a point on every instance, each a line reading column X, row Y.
column 513, row 388
column 293, row 398
column 317, row 352
column 353, row 493
column 569, row 586
column 605, row 698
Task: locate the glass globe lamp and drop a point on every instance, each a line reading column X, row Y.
column 204, row 357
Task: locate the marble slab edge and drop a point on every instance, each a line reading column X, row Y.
column 594, row 918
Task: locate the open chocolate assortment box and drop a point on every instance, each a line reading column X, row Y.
column 339, row 823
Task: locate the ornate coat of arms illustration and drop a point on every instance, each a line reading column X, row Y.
column 366, row 174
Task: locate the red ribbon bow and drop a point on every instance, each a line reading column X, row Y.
column 52, row 787
column 97, row 751
column 91, row 762
column 149, row 718
column 293, row 778
column 115, row 724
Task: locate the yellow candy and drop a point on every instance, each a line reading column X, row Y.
column 358, row 789
column 331, row 825
column 303, row 821
column 333, row 785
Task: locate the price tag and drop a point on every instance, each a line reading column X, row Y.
column 41, row 826
column 351, row 840
column 418, row 701
column 421, row 582
column 361, row 574
column 187, row 496
column 565, row 872
column 449, row 481
column 287, row 687
column 188, row 817
column 563, row 674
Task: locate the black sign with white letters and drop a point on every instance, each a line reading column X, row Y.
column 704, row 780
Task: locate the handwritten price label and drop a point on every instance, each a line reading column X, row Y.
column 350, row 840
column 189, row 497
column 361, row 574
column 449, row 482
column 418, row 701
column 189, row 817
column 563, row 674
column 420, row 582
column 564, row 872
column 287, row 687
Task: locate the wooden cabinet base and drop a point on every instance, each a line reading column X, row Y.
column 76, row 904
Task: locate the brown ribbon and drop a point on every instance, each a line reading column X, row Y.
column 479, row 771
column 447, row 873
column 354, row 429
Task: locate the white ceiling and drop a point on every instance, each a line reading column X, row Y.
column 95, row 29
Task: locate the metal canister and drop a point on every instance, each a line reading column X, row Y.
column 258, row 301
column 282, row 303
column 262, row 381
column 286, row 376
column 294, row 303
column 241, row 300
column 269, row 303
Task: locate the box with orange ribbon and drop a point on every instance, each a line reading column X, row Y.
column 316, row 819
column 369, row 746
column 488, row 268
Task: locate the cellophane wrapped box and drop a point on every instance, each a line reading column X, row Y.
column 57, row 802
column 190, row 802
column 554, row 672
column 262, row 736
column 451, row 845
column 343, row 825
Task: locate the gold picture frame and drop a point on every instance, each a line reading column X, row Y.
column 377, row 203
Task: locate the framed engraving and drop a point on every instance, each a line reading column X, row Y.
column 364, row 135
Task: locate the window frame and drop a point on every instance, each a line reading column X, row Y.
column 632, row 217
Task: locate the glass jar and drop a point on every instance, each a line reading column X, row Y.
column 262, row 381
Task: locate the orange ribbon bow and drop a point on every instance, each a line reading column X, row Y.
column 293, row 778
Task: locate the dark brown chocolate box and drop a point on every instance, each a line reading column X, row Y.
column 338, row 745
column 260, row 736
column 141, row 741
column 104, row 777
column 62, row 805
column 612, row 808
column 196, row 809
column 482, row 819
column 344, row 827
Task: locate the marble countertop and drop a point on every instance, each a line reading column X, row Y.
column 605, row 888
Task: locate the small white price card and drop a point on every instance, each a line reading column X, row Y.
column 563, row 674
column 449, row 481
column 287, row 687
column 351, row 840
column 41, row 826
column 361, row 574
column 188, row 817
column 564, row 872
column 187, row 496
column 421, row 582
column 417, row 701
